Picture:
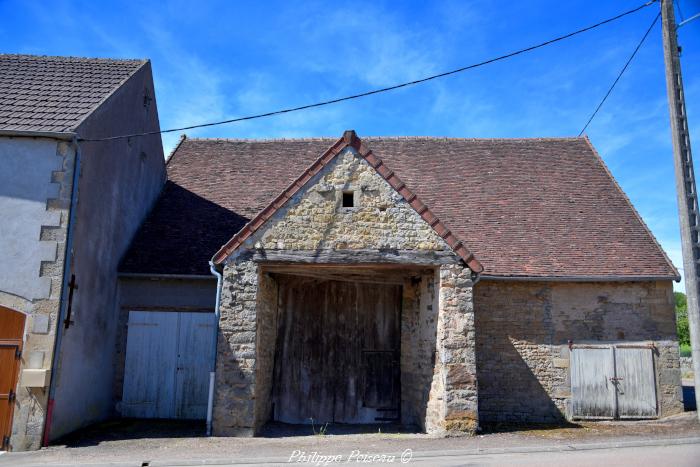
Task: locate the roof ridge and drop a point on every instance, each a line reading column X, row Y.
column 73, row 57
column 264, row 140
column 392, row 138
column 351, row 140
column 183, row 137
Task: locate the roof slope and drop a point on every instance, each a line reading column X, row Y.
column 54, row 94
column 350, row 139
column 525, row 207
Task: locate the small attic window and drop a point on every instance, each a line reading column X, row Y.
column 348, row 199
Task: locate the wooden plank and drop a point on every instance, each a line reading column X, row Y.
column 330, row 257
column 11, row 341
column 636, row 385
column 304, row 360
column 593, row 394
column 327, row 329
column 375, row 277
column 11, row 324
column 9, row 370
column 150, row 367
column 195, row 340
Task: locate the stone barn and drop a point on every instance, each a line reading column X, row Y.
column 432, row 282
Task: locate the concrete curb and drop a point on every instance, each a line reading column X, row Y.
column 416, row 456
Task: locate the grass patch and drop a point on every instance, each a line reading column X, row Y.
column 685, row 350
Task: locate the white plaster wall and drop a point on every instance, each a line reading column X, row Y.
column 25, row 185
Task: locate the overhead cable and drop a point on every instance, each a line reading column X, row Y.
column 381, row 90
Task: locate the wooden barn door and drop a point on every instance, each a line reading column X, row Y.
column 615, row 381
column 168, row 359
column 11, row 332
column 337, row 353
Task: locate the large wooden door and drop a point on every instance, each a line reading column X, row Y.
column 11, row 333
column 337, row 352
column 168, row 360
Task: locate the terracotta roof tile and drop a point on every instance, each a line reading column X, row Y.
column 545, row 207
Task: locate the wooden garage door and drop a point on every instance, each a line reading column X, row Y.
column 168, row 360
column 337, row 353
column 11, row 331
column 613, row 382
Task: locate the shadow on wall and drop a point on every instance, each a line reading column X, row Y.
column 512, row 354
column 509, row 391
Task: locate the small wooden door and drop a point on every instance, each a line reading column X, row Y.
column 635, row 383
column 11, row 333
column 592, row 391
column 168, row 360
column 614, row 381
column 337, row 352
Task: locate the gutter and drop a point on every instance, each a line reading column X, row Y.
column 67, row 269
column 138, row 275
column 212, row 373
column 62, row 135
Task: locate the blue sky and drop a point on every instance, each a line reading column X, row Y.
column 216, row 60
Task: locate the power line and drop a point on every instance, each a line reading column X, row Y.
column 636, row 49
column 381, row 90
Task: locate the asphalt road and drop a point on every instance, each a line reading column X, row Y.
column 677, row 453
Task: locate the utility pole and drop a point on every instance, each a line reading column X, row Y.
column 688, row 213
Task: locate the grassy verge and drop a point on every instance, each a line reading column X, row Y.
column 685, row 350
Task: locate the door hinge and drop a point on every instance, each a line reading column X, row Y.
column 11, row 396
column 5, row 442
column 18, row 353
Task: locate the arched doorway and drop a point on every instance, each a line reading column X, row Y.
column 11, row 330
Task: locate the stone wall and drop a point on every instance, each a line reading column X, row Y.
column 314, row 218
column 437, row 361
column 523, row 331
column 234, row 398
column 266, row 333
column 37, row 196
column 456, row 365
column 419, row 319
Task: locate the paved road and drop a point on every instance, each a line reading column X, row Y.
column 678, row 454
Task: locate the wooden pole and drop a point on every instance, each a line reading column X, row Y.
column 688, row 213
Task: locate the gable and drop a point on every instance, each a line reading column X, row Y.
column 310, row 214
column 316, row 219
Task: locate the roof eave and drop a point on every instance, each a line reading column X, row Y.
column 587, row 278
column 62, row 135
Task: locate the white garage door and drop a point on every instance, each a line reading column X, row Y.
column 168, row 360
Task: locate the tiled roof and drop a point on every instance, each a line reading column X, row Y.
column 54, row 94
column 350, row 139
column 524, row 207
